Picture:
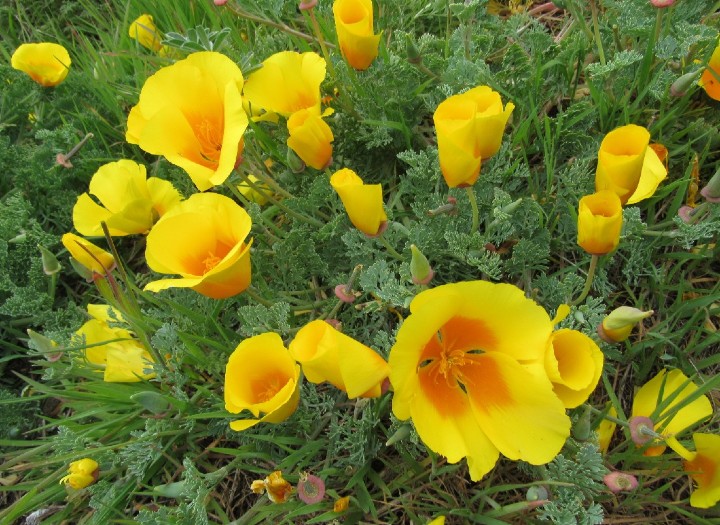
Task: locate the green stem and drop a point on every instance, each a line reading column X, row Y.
column 588, row 281
column 596, row 29
column 321, row 40
column 474, row 206
column 392, row 251
column 252, row 293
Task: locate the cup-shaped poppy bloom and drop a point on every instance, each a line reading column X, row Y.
column 81, row 473
column 670, row 420
column 363, row 202
column 261, row 376
column 287, row 82
column 143, row 30
column 704, row 469
column 709, row 78
column 329, row 355
column 617, row 325
column 92, row 257
column 191, row 113
column 129, row 202
column 114, row 349
column 599, row 222
column 354, row 26
column 469, row 129
column 574, row 363
column 620, row 160
column 202, row 239
column 310, row 137
column 46, row 63
column 467, row 367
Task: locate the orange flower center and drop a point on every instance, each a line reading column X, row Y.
column 267, row 388
column 209, row 136
column 210, row 262
column 701, row 469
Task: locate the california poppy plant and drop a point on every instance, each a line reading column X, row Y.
column 354, row 26
column 46, row 63
column 627, row 165
column 113, row 349
column 203, row 239
column 310, row 137
column 669, row 389
column 143, row 30
column 574, row 363
column 191, row 113
column 329, row 355
column 92, row 257
column 469, row 129
column 472, row 381
column 599, row 222
column 709, row 78
column 262, row 377
column 129, row 202
column 363, row 202
column 287, row 82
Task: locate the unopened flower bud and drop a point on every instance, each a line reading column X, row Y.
column 536, row 493
column 662, row 3
column 620, row 482
column 294, row 162
column 50, row 264
column 220, row 2
column 583, row 428
column 307, row 4
column 711, row 191
column 683, row 83
column 413, row 53
column 420, row 267
column 616, row 326
column 401, row 433
column 344, row 294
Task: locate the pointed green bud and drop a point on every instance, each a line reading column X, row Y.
column 152, row 401
column 400, row 434
column 44, row 345
column 81, row 270
column 50, row 264
column 683, row 83
column 294, row 162
column 616, row 326
column 711, row 191
column 170, row 490
column 413, row 53
column 583, row 428
column 420, row 267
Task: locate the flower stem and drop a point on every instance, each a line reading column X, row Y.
column 392, row 251
column 588, row 281
column 474, row 206
column 321, row 40
column 596, row 28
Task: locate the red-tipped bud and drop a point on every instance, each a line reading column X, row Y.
column 642, row 430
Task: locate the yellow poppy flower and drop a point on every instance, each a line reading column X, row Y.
column 311, row 137
column 287, row 82
column 81, row 473
column 143, row 30
column 191, row 113
column 599, row 222
column 354, row 26
column 670, row 420
column 620, row 160
column 469, row 129
column 328, row 355
column 261, row 376
column 574, row 363
column 473, row 384
column 122, row 357
column 709, row 78
column 203, row 240
column 46, row 63
column 704, row 469
column 92, row 257
column 363, row 202
column 130, row 201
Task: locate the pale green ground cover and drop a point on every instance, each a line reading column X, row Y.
column 567, row 93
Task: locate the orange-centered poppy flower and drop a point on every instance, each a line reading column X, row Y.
column 709, row 79
column 287, row 82
column 469, row 129
column 46, row 63
column 328, row 355
column 599, row 222
column 129, row 201
column 191, row 113
column 203, row 239
column 467, row 367
column 363, row 202
column 354, row 26
column 670, row 419
column 261, row 376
